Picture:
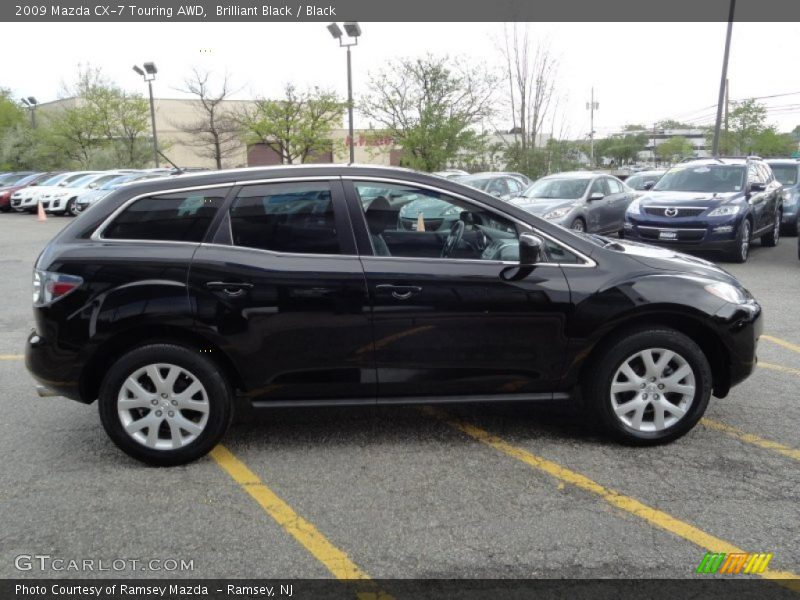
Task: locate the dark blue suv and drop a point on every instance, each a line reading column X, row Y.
column 787, row 171
column 713, row 205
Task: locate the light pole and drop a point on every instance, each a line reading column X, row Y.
column 31, row 103
column 353, row 30
column 591, row 106
column 723, row 81
column 149, row 74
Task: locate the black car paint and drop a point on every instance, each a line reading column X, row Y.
column 309, row 329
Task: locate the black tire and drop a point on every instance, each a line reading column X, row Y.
column 739, row 253
column 578, row 224
column 69, row 209
column 771, row 239
column 597, row 387
column 218, row 390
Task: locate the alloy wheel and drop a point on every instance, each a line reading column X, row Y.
column 745, row 246
column 776, row 232
column 167, row 401
column 652, row 390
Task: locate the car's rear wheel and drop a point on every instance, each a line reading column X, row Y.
column 650, row 387
column 771, row 239
column 741, row 248
column 165, row 404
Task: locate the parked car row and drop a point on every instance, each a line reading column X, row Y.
column 711, row 205
column 66, row 193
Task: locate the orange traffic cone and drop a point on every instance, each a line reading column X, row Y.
column 40, row 215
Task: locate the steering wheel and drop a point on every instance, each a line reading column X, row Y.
column 451, row 243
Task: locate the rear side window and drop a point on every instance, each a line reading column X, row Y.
column 179, row 217
column 286, row 217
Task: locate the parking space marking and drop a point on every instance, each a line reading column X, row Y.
column 750, row 438
column 780, row 368
column 780, row 342
column 655, row 517
column 335, row 560
column 11, row 357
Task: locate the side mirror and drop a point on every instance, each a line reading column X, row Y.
column 648, row 185
column 757, row 187
column 530, row 249
column 596, row 196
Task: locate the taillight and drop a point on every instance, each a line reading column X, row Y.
column 49, row 286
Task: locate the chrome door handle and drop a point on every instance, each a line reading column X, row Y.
column 398, row 292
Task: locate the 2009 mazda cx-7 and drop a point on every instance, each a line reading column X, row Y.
column 172, row 301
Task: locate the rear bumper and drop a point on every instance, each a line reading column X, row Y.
column 54, row 369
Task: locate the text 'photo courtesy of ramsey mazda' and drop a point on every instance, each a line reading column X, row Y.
column 173, row 302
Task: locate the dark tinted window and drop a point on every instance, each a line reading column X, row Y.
column 180, row 217
column 285, row 217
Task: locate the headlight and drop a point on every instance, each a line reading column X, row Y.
column 724, row 211
column 727, row 292
column 558, row 213
column 634, row 208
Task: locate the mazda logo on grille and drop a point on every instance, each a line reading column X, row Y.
column 671, row 212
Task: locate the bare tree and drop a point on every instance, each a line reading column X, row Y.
column 216, row 132
column 531, row 71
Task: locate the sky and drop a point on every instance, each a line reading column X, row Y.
column 640, row 72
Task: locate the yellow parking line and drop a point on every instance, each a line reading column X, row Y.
column 630, row 505
column 11, row 357
column 780, row 342
column 780, row 368
column 751, row 439
column 335, row 560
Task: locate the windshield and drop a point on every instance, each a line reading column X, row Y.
column 477, row 182
column 55, row 179
column 567, row 189
column 28, row 179
column 82, row 181
column 638, row 182
column 12, row 178
column 702, row 178
column 786, row 174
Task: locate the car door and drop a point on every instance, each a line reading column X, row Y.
column 758, row 199
column 459, row 326
column 617, row 201
column 598, row 213
column 282, row 290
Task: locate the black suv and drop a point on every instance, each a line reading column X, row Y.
column 173, row 300
column 710, row 205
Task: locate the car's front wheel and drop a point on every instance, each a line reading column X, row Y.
column 165, row 404
column 650, row 387
column 740, row 250
column 771, row 239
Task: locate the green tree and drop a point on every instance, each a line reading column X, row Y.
column 621, row 149
column 673, row 124
column 674, row 149
column 746, row 121
column 297, row 126
column 432, row 107
column 11, row 113
column 770, row 143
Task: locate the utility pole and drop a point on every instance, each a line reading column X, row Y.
column 727, row 103
column 655, row 160
column 591, row 107
column 723, row 79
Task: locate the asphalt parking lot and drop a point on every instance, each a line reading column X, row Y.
column 404, row 492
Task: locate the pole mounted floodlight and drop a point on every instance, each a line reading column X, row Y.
column 336, row 31
column 353, row 30
column 31, row 102
column 149, row 74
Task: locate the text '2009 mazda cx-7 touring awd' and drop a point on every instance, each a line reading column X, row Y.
column 172, row 301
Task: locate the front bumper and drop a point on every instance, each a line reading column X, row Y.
column 743, row 325
column 711, row 235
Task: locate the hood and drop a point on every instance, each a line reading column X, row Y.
column 665, row 259
column 704, row 199
column 542, row 206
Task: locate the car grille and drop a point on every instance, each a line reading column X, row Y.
column 16, row 201
column 660, row 211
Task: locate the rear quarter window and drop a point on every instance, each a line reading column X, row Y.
column 179, row 217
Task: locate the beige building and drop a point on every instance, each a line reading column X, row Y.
column 173, row 115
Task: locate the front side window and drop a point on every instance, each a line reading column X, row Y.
column 407, row 221
column 598, row 187
column 614, row 186
column 286, row 217
column 178, row 217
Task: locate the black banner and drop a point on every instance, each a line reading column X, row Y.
column 398, row 589
column 397, row 11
